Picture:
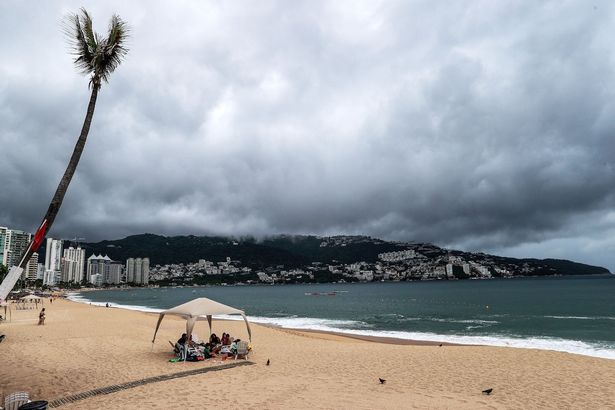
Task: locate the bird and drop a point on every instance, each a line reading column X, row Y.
column 487, row 392
column 382, row 381
column 440, row 345
column 268, row 362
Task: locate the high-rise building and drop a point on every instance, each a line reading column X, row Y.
column 2, row 244
column 13, row 244
column 98, row 265
column 145, row 271
column 73, row 264
column 53, row 254
column 130, row 270
column 115, row 273
column 53, row 262
column 31, row 268
column 137, row 271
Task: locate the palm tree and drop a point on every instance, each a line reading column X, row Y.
column 97, row 57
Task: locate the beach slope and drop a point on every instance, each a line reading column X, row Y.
column 83, row 347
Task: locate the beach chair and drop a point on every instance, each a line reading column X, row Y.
column 242, row 350
column 14, row 400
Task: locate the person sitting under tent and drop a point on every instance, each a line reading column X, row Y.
column 214, row 339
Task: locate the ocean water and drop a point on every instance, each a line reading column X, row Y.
column 570, row 314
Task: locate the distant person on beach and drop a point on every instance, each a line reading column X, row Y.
column 182, row 340
column 107, row 304
column 41, row 317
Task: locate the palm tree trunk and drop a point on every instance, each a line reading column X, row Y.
column 58, row 197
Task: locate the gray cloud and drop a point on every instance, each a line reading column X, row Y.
column 483, row 126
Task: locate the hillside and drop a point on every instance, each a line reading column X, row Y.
column 299, row 251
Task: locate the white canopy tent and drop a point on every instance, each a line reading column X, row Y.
column 32, row 299
column 201, row 309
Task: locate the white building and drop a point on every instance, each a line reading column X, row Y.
column 137, row 271
column 73, row 265
column 31, row 268
column 399, row 256
column 130, row 270
column 96, row 279
column 49, row 278
column 98, row 265
column 145, row 271
column 53, row 254
column 114, row 276
column 12, row 245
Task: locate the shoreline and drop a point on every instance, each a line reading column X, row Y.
column 365, row 338
column 496, row 341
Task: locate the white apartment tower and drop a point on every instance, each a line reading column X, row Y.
column 115, row 273
column 98, row 265
column 130, row 270
column 53, row 254
column 53, row 262
column 137, row 271
column 145, row 271
column 31, row 268
column 73, row 264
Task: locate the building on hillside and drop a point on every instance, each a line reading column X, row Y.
column 398, row 256
column 73, row 265
column 137, row 271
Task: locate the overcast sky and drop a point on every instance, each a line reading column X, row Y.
column 477, row 125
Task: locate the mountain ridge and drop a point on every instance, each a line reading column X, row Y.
column 295, row 251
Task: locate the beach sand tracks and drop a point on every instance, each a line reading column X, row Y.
column 136, row 383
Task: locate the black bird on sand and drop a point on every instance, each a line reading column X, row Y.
column 382, row 381
column 268, row 362
column 487, row 392
column 440, row 345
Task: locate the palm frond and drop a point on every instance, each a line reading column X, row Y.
column 94, row 54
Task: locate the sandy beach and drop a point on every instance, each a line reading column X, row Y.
column 83, row 347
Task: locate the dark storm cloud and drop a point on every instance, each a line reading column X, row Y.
column 484, row 126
